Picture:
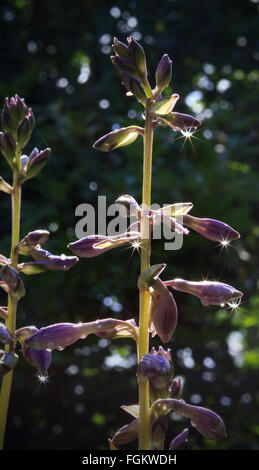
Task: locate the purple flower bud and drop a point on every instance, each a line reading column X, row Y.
column 45, row 261
column 5, row 336
column 208, row 423
column 17, row 109
column 37, row 237
column 134, row 86
column 163, row 74
column 159, row 429
column 13, row 113
column 120, row 48
column 209, row 292
column 137, row 56
column 25, row 129
column 7, row 123
column 95, row 245
column 179, row 121
column 175, row 388
column 8, row 361
column 123, row 64
column 8, row 147
column 166, row 313
column 36, row 163
column 118, row 138
column 10, row 277
column 211, row 229
column 12, row 281
column 157, row 369
column 40, row 359
column 179, row 440
column 126, row 434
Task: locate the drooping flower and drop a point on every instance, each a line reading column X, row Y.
column 95, row 245
column 207, row 422
column 212, row 229
column 61, row 335
column 209, row 292
column 45, row 261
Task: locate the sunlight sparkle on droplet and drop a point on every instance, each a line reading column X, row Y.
column 235, row 304
column 225, row 242
column 136, row 245
column 43, row 378
column 186, row 133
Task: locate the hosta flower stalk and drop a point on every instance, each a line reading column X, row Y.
column 159, row 391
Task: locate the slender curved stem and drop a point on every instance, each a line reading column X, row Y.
column 12, row 303
column 145, row 299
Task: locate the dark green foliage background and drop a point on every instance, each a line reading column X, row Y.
column 218, row 174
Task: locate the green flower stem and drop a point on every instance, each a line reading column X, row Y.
column 12, row 303
column 145, row 298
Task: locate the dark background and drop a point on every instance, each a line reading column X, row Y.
column 55, row 54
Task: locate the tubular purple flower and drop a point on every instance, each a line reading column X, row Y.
column 211, row 229
column 208, row 423
column 209, row 292
column 179, row 440
column 56, row 336
column 44, row 260
column 61, row 335
column 40, row 359
column 95, row 245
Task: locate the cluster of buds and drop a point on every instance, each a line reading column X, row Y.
column 17, row 124
column 130, row 62
column 157, row 368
